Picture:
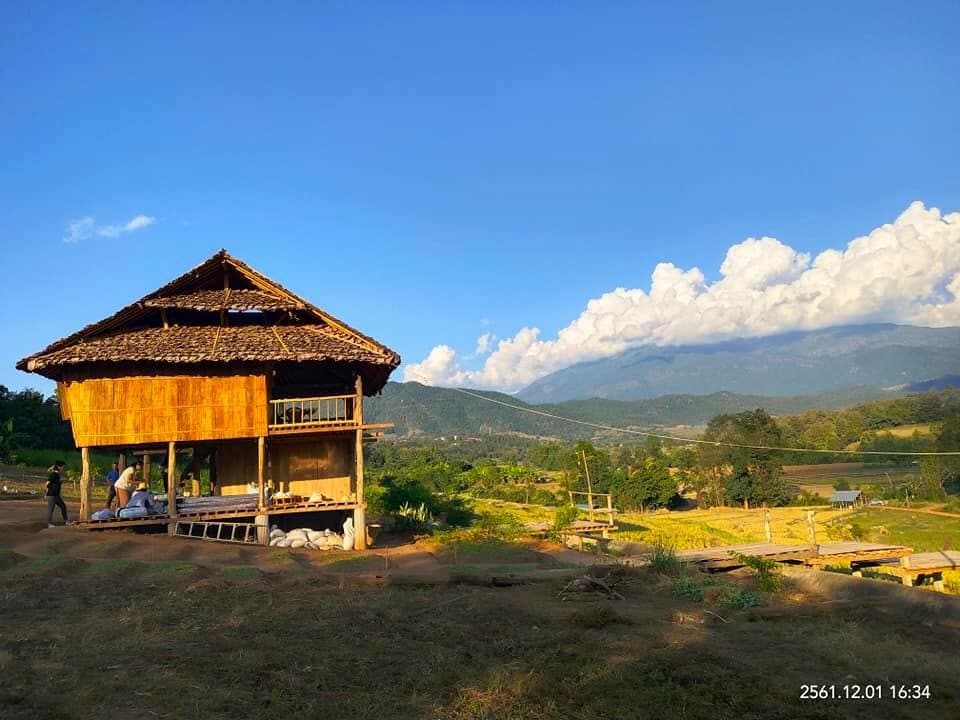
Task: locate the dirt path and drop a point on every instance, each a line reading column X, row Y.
column 23, row 531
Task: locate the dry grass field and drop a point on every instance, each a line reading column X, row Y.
column 125, row 626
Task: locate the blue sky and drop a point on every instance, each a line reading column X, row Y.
column 433, row 172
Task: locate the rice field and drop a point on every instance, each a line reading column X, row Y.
column 691, row 529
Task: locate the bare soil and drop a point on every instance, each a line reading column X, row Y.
column 116, row 625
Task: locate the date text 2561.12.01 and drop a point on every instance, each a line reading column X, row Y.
column 865, row 692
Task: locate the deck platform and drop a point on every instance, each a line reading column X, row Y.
column 725, row 557
column 211, row 509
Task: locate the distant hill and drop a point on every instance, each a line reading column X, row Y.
column 792, row 364
column 417, row 409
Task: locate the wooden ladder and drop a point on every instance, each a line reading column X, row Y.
column 216, row 531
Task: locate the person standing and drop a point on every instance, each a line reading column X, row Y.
column 112, row 476
column 126, row 483
column 51, row 491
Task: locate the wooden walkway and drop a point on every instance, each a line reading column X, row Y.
column 725, row 557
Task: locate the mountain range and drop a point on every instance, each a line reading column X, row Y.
column 687, row 385
column 796, row 363
column 417, row 409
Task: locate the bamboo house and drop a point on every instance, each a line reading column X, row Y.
column 227, row 368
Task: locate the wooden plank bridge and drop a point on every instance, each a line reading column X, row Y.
column 838, row 553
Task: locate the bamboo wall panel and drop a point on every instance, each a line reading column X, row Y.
column 236, row 467
column 157, row 409
column 316, row 465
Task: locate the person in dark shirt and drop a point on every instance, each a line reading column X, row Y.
column 112, row 476
column 51, row 492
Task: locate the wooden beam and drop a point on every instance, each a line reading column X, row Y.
column 261, row 467
column 85, row 497
column 172, row 479
column 359, row 515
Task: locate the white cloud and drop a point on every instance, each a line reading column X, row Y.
column 86, row 227
column 907, row 271
column 78, row 230
column 484, row 343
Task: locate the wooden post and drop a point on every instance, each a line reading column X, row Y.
column 812, row 534
column 586, row 471
column 359, row 515
column 767, row 530
column 146, row 468
column 905, row 576
column 85, row 497
column 610, row 508
column 261, row 466
column 172, row 479
column 122, row 461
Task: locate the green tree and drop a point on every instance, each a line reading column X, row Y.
column 747, row 474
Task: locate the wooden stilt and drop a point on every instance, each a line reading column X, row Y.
column 172, row 479
column 261, row 468
column 85, row 496
column 146, row 468
column 359, row 514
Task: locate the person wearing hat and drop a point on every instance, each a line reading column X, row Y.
column 142, row 497
column 51, row 491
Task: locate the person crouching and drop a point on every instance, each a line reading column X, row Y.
column 142, row 497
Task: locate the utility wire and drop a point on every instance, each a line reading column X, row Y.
column 718, row 443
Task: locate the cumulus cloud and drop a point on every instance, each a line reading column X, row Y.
column 906, row 271
column 86, row 227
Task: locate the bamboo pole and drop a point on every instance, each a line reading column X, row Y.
column 767, row 530
column 586, row 471
column 85, row 497
column 359, row 515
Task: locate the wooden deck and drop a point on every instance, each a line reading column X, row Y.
column 577, row 526
column 724, row 557
column 224, row 512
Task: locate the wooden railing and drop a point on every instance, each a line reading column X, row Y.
column 292, row 413
column 592, row 504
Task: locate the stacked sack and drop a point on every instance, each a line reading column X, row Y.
column 306, row 538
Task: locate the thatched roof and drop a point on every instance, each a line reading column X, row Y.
column 222, row 311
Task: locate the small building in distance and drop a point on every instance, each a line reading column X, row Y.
column 252, row 379
column 846, row 498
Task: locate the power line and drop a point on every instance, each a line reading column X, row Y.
column 718, row 443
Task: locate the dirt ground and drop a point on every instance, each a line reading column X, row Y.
column 118, row 625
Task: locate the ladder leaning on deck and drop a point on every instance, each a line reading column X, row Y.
column 231, row 532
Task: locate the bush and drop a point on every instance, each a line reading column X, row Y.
column 499, row 525
column 564, row 516
column 768, row 574
column 456, row 510
column 493, row 527
column 663, row 558
column 416, row 518
column 739, row 598
column 691, row 587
